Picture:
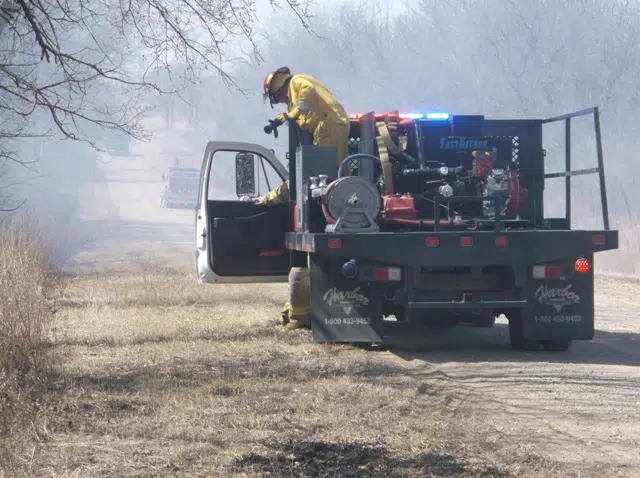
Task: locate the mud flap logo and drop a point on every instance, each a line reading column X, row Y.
column 556, row 297
column 345, row 299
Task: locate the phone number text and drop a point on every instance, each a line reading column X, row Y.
column 348, row 321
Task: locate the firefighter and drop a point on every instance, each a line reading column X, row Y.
column 315, row 111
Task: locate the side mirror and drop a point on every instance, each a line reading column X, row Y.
column 245, row 174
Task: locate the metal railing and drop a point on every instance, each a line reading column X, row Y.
column 568, row 173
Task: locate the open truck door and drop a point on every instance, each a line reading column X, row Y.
column 238, row 241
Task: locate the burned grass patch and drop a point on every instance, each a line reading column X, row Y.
column 356, row 460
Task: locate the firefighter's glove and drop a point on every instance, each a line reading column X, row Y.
column 281, row 118
column 272, row 127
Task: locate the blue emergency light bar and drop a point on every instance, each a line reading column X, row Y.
column 431, row 116
column 440, row 116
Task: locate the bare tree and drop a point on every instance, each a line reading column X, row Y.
column 87, row 63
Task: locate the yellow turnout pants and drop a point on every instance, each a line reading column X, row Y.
column 297, row 309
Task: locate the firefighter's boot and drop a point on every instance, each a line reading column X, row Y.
column 298, row 308
column 282, row 318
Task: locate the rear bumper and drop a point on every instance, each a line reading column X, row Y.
column 411, row 249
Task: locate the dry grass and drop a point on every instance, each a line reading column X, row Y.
column 166, row 377
column 26, row 287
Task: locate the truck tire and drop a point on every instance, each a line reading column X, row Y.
column 556, row 345
column 518, row 341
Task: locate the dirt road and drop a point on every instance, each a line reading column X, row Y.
column 574, row 414
column 122, row 223
column 581, row 408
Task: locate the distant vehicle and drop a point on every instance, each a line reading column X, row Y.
column 181, row 189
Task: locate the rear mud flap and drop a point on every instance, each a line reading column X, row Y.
column 342, row 310
column 561, row 305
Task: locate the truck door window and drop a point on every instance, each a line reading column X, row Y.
column 222, row 179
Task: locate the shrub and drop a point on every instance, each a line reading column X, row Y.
column 25, row 323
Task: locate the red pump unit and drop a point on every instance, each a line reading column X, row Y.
column 482, row 163
column 400, row 207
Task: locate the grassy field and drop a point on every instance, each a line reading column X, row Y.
column 164, row 377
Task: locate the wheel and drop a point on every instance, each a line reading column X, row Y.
column 556, row 345
column 518, row 342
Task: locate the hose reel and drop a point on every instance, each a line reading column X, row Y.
column 351, row 204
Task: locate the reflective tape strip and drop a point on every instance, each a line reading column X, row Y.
column 299, row 312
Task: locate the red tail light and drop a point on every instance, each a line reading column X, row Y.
column 597, row 240
column 432, row 241
column 582, row 266
column 380, row 273
column 553, row 272
column 466, row 241
column 334, row 243
column 502, row 241
column 271, row 253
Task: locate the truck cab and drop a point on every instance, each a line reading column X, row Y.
column 432, row 220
